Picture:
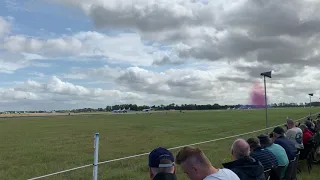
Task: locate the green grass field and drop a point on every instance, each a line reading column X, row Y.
column 37, row 146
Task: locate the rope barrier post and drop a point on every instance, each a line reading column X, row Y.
column 95, row 160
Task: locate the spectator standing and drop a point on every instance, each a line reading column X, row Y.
column 243, row 165
column 161, row 165
column 198, row 167
column 295, row 134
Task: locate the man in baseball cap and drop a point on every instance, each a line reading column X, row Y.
column 161, row 165
column 288, row 145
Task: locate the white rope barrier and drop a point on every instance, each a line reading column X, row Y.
column 143, row 154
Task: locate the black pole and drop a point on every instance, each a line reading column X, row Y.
column 310, row 105
column 265, row 101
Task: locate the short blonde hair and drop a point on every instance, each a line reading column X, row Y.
column 188, row 152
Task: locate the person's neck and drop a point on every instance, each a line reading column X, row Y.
column 209, row 171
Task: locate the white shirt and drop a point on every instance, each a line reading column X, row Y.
column 295, row 134
column 222, row 174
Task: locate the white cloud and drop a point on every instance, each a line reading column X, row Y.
column 4, row 27
column 54, row 89
column 183, row 51
column 218, row 30
column 102, row 73
column 11, row 94
column 218, row 83
column 114, row 49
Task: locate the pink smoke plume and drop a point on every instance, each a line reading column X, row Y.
column 257, row 95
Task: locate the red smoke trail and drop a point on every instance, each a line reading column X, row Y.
column 257, row 95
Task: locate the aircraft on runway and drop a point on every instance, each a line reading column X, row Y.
column 147, row 110
column 124, row 110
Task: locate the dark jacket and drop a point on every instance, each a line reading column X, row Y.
column 165, row 176
column 246, row 168
column 288, row 146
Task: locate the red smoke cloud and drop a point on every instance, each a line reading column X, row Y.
column 257, row 95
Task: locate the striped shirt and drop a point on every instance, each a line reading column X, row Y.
column 266, row 157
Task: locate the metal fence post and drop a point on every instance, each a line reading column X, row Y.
column 95, row 160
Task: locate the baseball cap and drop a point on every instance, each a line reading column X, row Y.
column 264, row 140
column 279, row 130
column 159, row 154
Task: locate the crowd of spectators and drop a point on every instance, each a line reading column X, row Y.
column 271, row 156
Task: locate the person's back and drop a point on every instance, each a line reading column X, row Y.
column 295, row 134
column 243, row 165
column 279, row 153
column 316, row 138
column 281, row 156
column 164, row 176
column 288, row 146
column 222, row 174
column 246, row 168
column 307, row 134
column 266, row 157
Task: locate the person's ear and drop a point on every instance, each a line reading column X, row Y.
column 195, row 169
column 232, row 155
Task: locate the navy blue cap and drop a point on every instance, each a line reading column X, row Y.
column 279, row 130
column 158, row 154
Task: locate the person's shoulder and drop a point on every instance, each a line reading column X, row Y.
column 230, row 174
column 265, row 150
column 277, row 146
column 226, row 170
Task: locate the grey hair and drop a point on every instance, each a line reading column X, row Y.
column 303, row 127
column 240, row 148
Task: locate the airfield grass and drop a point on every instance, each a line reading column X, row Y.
column 37, row 146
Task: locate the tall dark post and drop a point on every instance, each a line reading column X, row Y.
column 265, row 102
column 264, row 74
column 311, row 94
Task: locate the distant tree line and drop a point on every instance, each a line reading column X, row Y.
column 295, row 104
column 135, row 107
column 173, row 106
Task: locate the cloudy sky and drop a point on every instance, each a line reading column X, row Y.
column 63, row 54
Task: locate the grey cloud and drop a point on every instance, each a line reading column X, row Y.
column 150, row 16
column 279, row 72
column 166, row 60
column 180, row 84
column 236, row 79
column 255, row 30
column 235, row 45
column 280, row 37
column 271, row 18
